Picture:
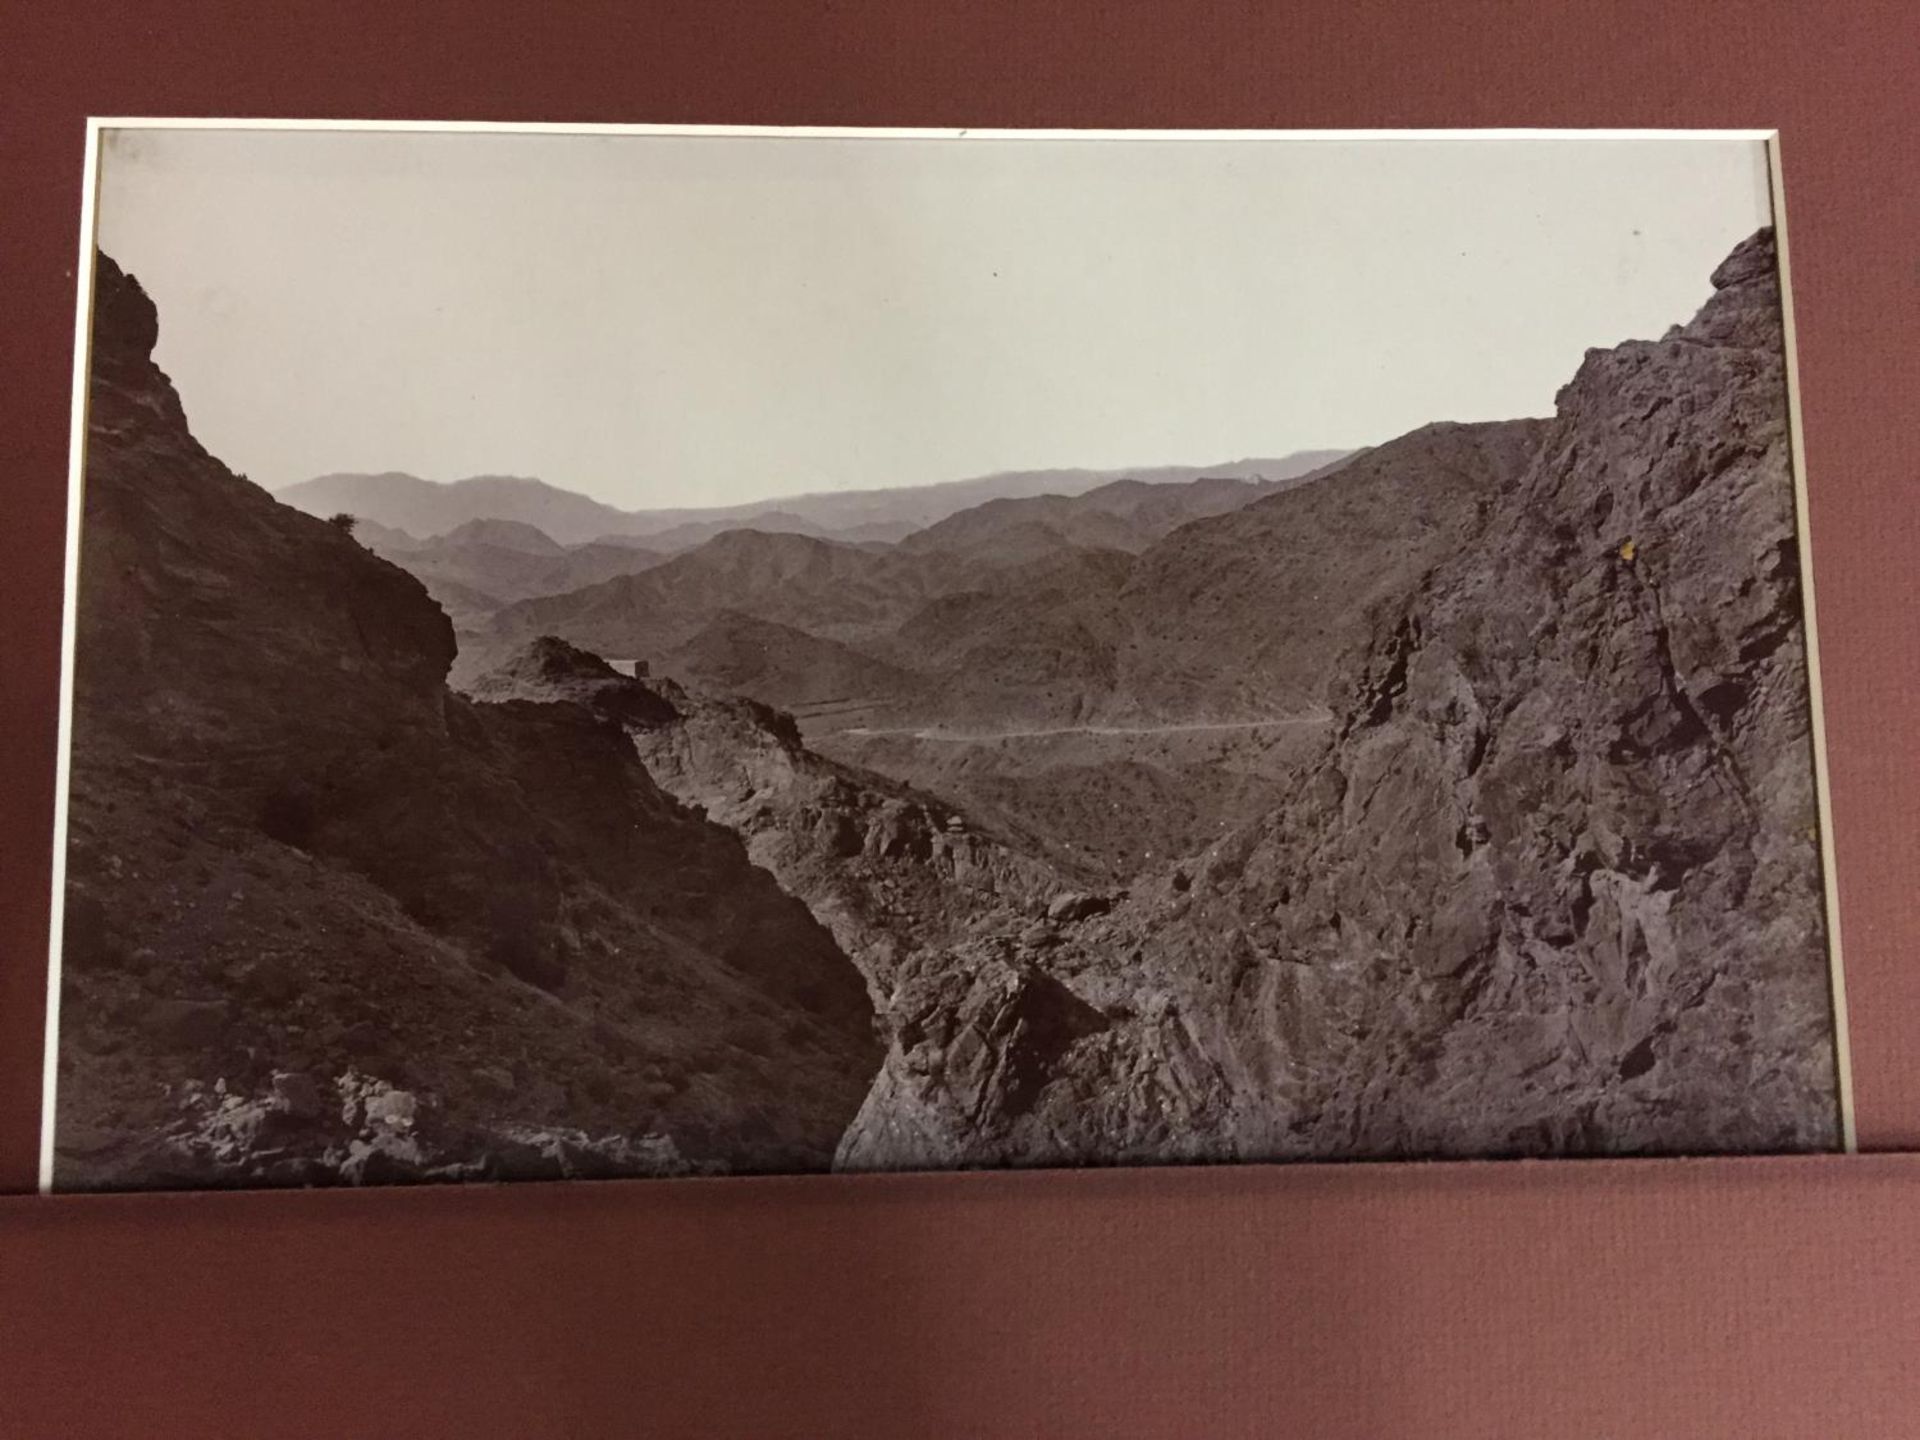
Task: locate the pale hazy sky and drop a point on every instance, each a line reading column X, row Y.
column 698, row 320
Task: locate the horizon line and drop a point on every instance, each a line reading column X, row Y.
column 1119, row 472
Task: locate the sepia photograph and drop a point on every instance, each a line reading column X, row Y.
column 652, row 651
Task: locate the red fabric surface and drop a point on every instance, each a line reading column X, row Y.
column 1616, row 1299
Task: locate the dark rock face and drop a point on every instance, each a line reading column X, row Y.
column 552, row 670
column 1551, row 887
column 293, row 849
column 888, row 870
column 1261, row 611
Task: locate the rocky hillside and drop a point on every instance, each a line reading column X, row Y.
column 1553, row 884
column 1248, row 614
column 1132, row 707
column 1124, row 515
column 736, row 654
column 328, row 920
column 828, row 588
column 891, row 871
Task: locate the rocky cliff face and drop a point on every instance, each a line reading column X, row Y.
column 893, row 872
column 305, row 878
column 1553, row 885
column 1257, row 612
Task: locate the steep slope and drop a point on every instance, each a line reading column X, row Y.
column 1553, row 886
column 384, row 540
column 1029, row 645
column 326, row 920
column 1243, row 616
column 737, row 654
column 893, row 872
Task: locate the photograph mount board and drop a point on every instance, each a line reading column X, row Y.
column 1445, row 788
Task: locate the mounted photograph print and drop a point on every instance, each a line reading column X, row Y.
column 655, row 651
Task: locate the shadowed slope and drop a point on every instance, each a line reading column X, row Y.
column 303, row 875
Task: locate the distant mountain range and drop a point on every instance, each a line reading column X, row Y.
column 1131, row 604
column 827, row 588
column 1128, row 514
column 421, row 508
column 499, row 573
column 478, row 567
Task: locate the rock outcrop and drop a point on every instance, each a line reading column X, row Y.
column 294, row 850
column 889, row 870
column 1553, row 884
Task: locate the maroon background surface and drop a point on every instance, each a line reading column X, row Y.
column 1620, row 1299
column 1770, row 1297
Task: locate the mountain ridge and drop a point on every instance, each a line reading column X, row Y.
column 427, row 507
column 1123, row 514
